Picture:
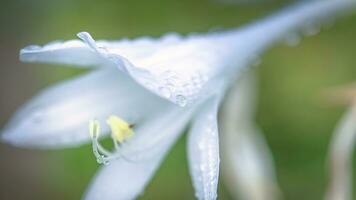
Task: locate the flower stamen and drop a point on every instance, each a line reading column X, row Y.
column 120, row 132
column 120, row 129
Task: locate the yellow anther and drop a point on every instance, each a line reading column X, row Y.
column 120, row 129
column 94, row 128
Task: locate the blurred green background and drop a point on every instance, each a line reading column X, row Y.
column 295, row 119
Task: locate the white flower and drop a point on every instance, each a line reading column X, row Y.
column 138, row 81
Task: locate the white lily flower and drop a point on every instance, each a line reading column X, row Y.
column 193, row 72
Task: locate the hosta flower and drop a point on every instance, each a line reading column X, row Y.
column 148, row 91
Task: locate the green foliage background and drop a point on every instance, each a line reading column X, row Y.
column 295, row 119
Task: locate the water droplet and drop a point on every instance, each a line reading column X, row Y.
column 148, row 85
column 292, row 39
column 196, row 79
column 32, row 47
column 103, row 49
column 181, row 100
column 165, row 92
column 255, row 60
column 311, row 29
column 37, row 117
column 202, row 168
column 201, row 146
column 171, row 37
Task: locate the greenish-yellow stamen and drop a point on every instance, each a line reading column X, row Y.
column 120, row 132
column 120, row 129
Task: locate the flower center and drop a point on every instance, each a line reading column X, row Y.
column 121, row 131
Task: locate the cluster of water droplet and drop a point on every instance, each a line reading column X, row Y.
column 309, row 29
column 181, row 91
column 208, row 170
column 32, row 48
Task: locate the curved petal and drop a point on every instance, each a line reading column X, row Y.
column 72, row 52
column 203, row 151
column 341, row 150
column 305, row 17
column 179, row 68
column 179, row 71
column 127, row 178
column 246, row 159
column 77, row 52
column 176, row 69
column 59, row 115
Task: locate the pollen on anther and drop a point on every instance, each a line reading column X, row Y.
column 120, row 129
column 120, row 132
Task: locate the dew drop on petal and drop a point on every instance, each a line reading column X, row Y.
column 201, row 146
column 32, row 47
column 181, row 100
column 292, row 39
column 37, row 117
column 104, row 50
column 164, row 91
column 254, row 60
column 311, row 29
column 202, row 168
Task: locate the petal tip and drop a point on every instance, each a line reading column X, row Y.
column 88, row 39
column 25, row 53
column 8, row 137
column 3, row 137
column 83, row 34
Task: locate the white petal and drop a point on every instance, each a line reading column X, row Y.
column 178, row 68
column 340, row 158
column 73, row 52
column 174, row 68
column 76, row 52
column 297, row 19
column 203, row 151
column 126, row 178
column 59, row 116
column 246, row 160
